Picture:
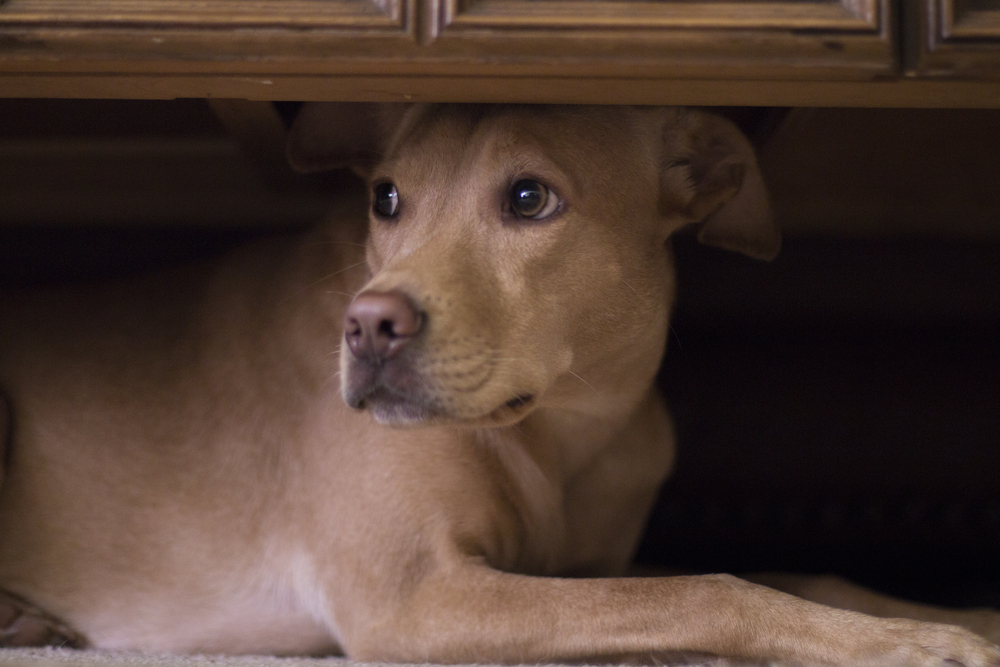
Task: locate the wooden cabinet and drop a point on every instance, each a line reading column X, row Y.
column 172, row 36
column 630, row 38
column 960, row 38
column 749, row 52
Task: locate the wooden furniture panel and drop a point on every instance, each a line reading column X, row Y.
column 791, row 39
column 901, row 93
column 960, row 39
column 240, row 48
column 203, row 13
column 172, row 36
column 713, row 52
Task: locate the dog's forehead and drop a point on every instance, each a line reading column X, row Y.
column 454, row 134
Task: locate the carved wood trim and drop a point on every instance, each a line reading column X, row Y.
column 525, row 89
column 202, row 13
column 960, row 38
column 848, row 15
column 970, row 19
column 821, row 39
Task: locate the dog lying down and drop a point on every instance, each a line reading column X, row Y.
column 435, row 441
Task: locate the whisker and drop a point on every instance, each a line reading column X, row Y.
column 318, row 281
column 319, row 243
column 629, row 286
column 335, row 273
column 527, row 437
column 584, row 381
column 676, row 337
column 331, row 380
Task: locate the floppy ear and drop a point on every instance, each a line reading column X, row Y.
column 330, row 135
column 710, row 176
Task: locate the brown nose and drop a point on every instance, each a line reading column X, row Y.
column 378, row 325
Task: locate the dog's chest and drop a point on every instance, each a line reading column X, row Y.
column 586, row 525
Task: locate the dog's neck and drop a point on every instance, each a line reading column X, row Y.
column 566, row 440
column 556, row 460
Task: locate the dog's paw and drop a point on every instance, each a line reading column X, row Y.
column 984, row 622
column 933, row 644
column 22, row 625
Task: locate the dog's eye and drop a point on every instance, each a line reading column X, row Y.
column 385, row 202
column 531, row 199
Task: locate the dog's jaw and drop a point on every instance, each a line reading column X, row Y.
column 392, row 409
column 396, row 395
column 389, row 389
column 390, row 405
column 396, row 411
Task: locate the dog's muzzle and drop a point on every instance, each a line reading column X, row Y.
column 379, row 328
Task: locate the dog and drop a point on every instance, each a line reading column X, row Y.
column 432, row 440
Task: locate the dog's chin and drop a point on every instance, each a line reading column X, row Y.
column 402, row 414
column 402, row 410
column 394, row 409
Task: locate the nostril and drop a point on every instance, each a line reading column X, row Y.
column 405, row 321
column 388, row 328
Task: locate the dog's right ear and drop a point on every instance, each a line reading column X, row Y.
column 332, row 135
column 709, row 176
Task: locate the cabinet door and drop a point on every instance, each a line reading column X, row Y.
column 698, row 38
column 165, row 36
column 961, row 39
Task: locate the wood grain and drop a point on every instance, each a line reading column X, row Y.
column 830, row 16
column 768, row 52
column 203, row 13
column 960, row 39
column 544, row 38
column 534, row 89
column 970, row 20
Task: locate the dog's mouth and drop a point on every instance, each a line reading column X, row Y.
column 519, row 403
column 513, row 410
column 396, row 393
column 391, row 407
column 397, row 408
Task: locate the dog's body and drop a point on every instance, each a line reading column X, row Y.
column 184, row 474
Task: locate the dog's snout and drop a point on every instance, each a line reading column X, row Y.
column 377, row 325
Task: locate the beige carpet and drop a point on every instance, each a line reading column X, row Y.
column 70, row 658
column 90, row 658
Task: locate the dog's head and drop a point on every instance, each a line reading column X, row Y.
column 519, row 255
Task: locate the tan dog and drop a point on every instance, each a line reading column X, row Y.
column 185, row 475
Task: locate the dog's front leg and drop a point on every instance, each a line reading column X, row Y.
column 472, row 613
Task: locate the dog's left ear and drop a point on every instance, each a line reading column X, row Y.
column 331, row 135
column 710, row 176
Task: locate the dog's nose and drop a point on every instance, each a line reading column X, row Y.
column 377, row 325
